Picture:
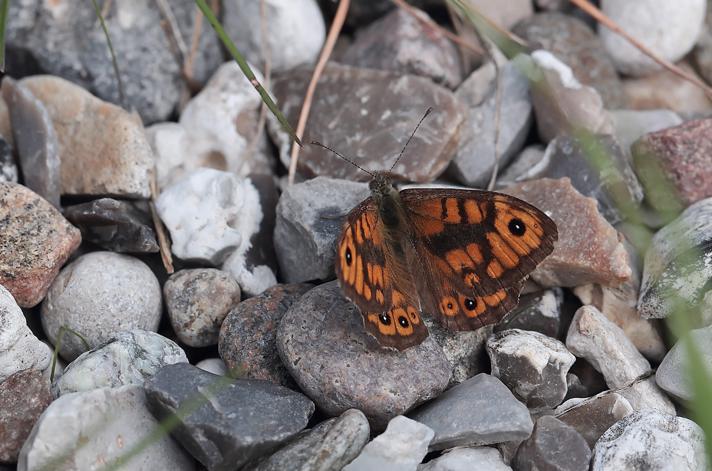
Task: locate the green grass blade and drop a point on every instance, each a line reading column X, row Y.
column 114, row 62
column 4, row 7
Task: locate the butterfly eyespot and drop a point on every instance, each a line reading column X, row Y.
column 470, row 304
column 348, row 256
column 403, row 321
column 449, row 305
column 385, row 319
column 516, row 227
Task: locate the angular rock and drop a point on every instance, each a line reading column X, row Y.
column 500, row 416
column 8, row 168
column 401, row 447
column 234, row 421
column 247, row 340
column 309, row 220
column 591, row 417
column 377, row 114
column 538, row 312
column 400, row 42
column 98, row 295
column 103, row 148
column 630, row 125
column 588, row 249
column 330, row 445
column 197, row 301
column 462, row 459
column 476, row 153
column 119, row 226
column 650, row 440
column 532, row 365
column 322, row 342
column 553, row 445
column 101, row 426
column 672, row 373
column 213, row 365
column 35, row 241
column 35, row 139
column 645, row 394
column 130, row 357
column 523, row 166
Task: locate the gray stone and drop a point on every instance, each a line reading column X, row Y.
column 651, row 440
column 129, row 358
column 463, row 459
column 329, row 446
column 8, row 168
column 99, row 427
column 505, row 14
column 630, row 125
column 524, row 166
column 309, row 220
column 480, row 411
column 234, row 421
column 98, row 295
column 553, row 446
column 592, row 416
column 672, row 373
column 532, row 365
column 323, row 344
column 477, row 154
column 213, row 365
column 538, row 312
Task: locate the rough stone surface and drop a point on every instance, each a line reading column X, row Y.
column 80, row 430
column 671, row 375
column 235, row 421
column 500, row 416
column 463, row 459
column 591, row 417
column 630, row 125
column 553, row 446
column 197, row 301
column 322, row 342
column 35, row 240
column 98, row 295
column 538, row 312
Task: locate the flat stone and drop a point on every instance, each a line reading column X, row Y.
column 554, row 446
column 309, row 220
column 650, row 440
column 532, row 365
column 330, row 445
column 630, row 125
column 101, row 426
column 401, row 447
column 98, row 295
column 378, row 111
column 322, row 342
column 462, row 459
column 671, row 375
column 130, row 357
column 116, row 225
column 103, row 148
column 247, row 340
column 35, row 241
column 591, row 417
column 538, row 312
column 588, row 249
column 234, row 421
column 197, row 301
column 500, row 416
column 8, row 168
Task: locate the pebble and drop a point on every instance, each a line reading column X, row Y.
column 210, row 214
column 630, row 125
column 331, row 445
column 683, row 154
column 8, row 168
column 522, row 167
column 601, row 342
column 462, row 459
column 553, row 445
column 309, row 220
column 197, row 301
column 538, row 312
column 98, row 295
column 400, row 42
column 103, row 149
column 235, row 421
column 588, row 249
column 500, row 416
column 401, row 447
column 532, row 365
column 115, row 225
column 702, row 53
column 591, row 417
column 294, row 31
column 35, row 140
column 377, row 113
column 477, row 154
column 671, row 375
column 213, row 365
column 98, row 427
column 506, row 14
column 247, row 340
column 130, row 357
column 73, row 46
column 669, row 30
column 322, row 342
column 35, row 241
column 650, row 440
column 576, row 45
column 23, row 397
column 645, row 394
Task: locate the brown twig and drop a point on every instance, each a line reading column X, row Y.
column 194, row 43
column 164, row 244
column 334, row 31
column 599, row 16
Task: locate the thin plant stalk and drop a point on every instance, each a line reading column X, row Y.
column 114, row 62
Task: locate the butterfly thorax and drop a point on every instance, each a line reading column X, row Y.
column 387, row 199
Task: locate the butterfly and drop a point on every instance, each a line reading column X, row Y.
column 458, row 255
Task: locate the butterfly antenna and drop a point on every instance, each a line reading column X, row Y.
column 427, row 112
column 316, row 143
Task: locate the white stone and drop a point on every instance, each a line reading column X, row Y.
column 213, row 365
column 253, row 280
column 547, row 60
column 672, row 373
column 647, row 395
column 401, row 447
column 210, row 214
column 631, row 124
column 129, row 358
column 19, row 348
column 669, row 29
column 90, row 430
column 466, row 459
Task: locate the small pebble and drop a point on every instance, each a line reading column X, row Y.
column 463, row 459
column 553, row 446
column 213, row 365
column 630, row 125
